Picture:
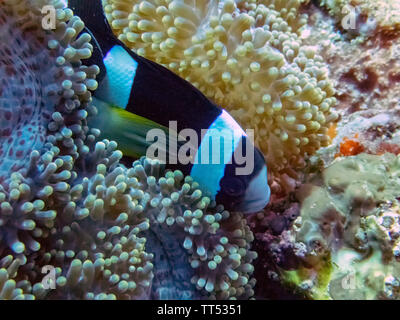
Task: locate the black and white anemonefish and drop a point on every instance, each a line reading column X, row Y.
column 136, row 95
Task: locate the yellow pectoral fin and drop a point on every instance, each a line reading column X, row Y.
column 130, row 131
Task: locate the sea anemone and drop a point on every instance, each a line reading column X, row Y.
column 247, row 57
column 70, row 209
column 37, row 82
column 42, row 125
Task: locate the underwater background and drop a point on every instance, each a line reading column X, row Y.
column 318, row 83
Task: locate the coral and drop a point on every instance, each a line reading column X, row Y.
column 350, row 147
column 107, row 231
column 388, row 147
column 275, row 251
column 370, row 16
column 348, row 227
column 366, row 74
column 247, row 57
column 371, row 131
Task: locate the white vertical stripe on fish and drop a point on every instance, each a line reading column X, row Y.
column 209, row 166
column 121, row 70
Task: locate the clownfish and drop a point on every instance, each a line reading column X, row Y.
column 136, row 95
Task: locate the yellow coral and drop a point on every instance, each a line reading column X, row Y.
column 244, row 55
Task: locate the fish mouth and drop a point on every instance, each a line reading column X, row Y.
column 254, row 206
column 257, row 195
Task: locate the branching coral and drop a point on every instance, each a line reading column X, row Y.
column 107, row 231
column 349, row 227
column 247, row 57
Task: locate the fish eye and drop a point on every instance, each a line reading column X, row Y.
column 234, row 187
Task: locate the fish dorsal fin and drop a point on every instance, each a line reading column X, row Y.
column 92, row 14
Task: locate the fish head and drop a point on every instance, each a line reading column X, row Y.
column 244, row 186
